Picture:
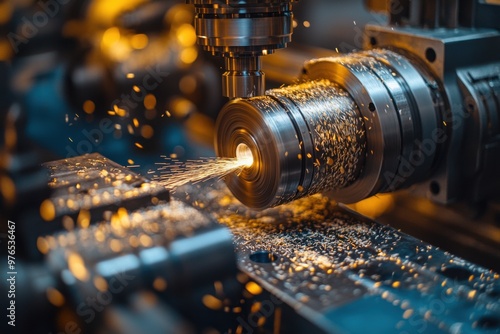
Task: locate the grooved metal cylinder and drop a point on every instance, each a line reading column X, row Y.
column 304, row 139
column 358, row 125
column 243, row 77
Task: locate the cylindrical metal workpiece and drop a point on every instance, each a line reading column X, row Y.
column 304, row 139
column 355, row 127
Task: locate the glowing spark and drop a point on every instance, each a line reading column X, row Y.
column 244, row 154
column 176, row 173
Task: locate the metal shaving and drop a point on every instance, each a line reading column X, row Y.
column 336, row 129
column 325, row 259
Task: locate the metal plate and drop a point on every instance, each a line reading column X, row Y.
column 346, row 273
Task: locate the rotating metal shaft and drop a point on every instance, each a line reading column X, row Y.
column 242, row 31
column 303, row 139
column 356, row 126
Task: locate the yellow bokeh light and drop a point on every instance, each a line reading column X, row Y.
column 145, row 240
column 5, row 50
column 139, row 41
column 133, row 241
column 178, row 14
column 114, row 46
column 5, row 12
column 212, row 302
column 47, row 210
column 182, row 107
column 55, row 297
column 186, row 35
column 83, row 219
column 77, row 267
column 68, row 223
column 115, row 245
column 8, row 189
column 89, row 106
column 147, row 131
column 119, row 111
column 42, row 245
column 120, row 50
column 150, row 101
column 100, row 283
column 189, row 55
column 110, row 37
column 99, row 236
column 253, row 288
column 105, row 12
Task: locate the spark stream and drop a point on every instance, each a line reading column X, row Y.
column 174, row 173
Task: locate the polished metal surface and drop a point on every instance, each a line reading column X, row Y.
column 304, row 139
column 243, row 77
column 399, row 121
column 354, row 125
column 92, row 183
column 335, row 267
column 242, row 31
column 461, row 69
column 436, row 15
